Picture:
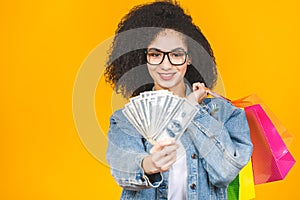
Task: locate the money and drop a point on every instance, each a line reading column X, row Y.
column 159, row 114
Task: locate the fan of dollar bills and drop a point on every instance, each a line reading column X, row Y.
column 159, row 114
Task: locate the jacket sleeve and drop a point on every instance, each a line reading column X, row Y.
column 223, row 141
column 125, row 153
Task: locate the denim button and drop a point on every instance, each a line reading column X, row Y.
column 194, row 156
column 193, row 186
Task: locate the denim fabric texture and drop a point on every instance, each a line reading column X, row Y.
column 217, row 145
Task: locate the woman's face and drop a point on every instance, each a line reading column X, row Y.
column 167, row 75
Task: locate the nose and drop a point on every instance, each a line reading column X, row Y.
column 166, row 65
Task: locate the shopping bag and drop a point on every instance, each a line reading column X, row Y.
column 271, row 159
column 242, row 187
column 246, row 182
column 254, row 99
column 233, row 189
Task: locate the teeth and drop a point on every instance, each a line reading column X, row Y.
column 168, row 74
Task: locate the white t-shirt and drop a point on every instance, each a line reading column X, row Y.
column 177, row 177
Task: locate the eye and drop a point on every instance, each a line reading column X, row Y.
column 154, row 54
column 177, row 54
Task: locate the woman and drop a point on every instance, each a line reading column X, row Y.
column 158, row 47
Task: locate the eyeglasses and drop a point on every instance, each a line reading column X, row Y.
column 156, row 56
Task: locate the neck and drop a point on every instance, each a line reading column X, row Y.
column 178, row 90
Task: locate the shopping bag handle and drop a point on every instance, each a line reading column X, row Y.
column 241, row 103
column 214, row 94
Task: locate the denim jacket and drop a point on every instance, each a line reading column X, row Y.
column 217, row 145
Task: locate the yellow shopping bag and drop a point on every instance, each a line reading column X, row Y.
column 246, row 181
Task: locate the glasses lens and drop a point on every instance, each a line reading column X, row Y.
column 177, row 57
column 154, row 57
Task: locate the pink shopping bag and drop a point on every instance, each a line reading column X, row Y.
column 271, row 158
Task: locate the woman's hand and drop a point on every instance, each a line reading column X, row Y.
column 199, row 93
column 162, row 157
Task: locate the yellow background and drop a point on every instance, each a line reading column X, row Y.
column 43, row 44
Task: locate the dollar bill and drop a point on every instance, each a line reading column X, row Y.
column 159, row 114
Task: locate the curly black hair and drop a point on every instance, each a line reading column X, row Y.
column 126, row 68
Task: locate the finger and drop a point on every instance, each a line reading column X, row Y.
column 196, row 86
column 205, row 88
column 166, row 160
column 168, row 163
column 200, row 92
column 165, row 152
column 167, row 166
column 167, row 142
column 157, row 147
column 168, row 150
column 202, row 96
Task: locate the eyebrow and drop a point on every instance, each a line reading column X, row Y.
column 176, row 49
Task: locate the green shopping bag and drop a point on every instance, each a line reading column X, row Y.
column 233, row 189
column 242, row 187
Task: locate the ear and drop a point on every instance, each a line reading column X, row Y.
column 189, row 61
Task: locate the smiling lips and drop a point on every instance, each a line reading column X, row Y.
column 166, row 76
